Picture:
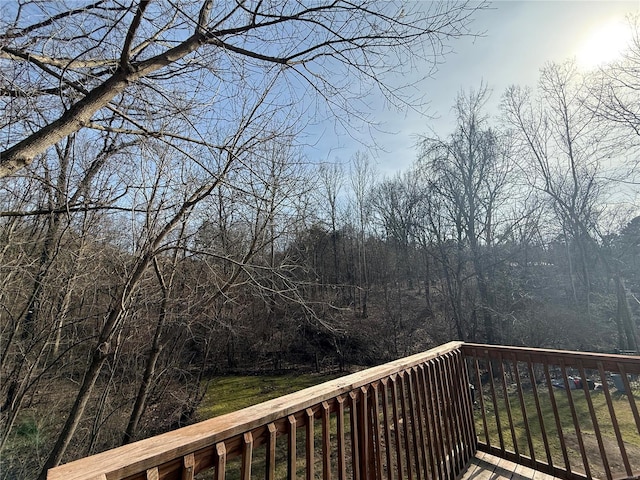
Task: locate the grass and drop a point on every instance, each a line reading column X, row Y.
column 26, row 448
column 231, row 393
column 623, row 414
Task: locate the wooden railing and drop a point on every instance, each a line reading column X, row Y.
column 412, row 418
column 569, row 414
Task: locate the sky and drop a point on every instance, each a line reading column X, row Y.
column 519, row 38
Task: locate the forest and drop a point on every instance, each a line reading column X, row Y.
column 154, row 236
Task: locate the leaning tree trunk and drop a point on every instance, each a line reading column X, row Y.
column 152, row 360
column 103, row 348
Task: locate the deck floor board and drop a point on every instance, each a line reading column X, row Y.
column 485, row 466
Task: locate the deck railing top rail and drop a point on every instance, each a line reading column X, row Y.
column 137, row 458
column 588, row 360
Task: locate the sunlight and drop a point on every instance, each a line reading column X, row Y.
column 603, row 44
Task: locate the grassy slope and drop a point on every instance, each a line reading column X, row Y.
column 227, row 394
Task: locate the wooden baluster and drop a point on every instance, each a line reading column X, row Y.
column 536, row 397
column 454, row 423
column 377, row 434
column 594, row 420
column 480, row 396
column 496, row 409
column 405, row 416
column 523, row 409
column 432, row 420
column 414, row 423
column 429, row 421
column 271, row 451
column 614, row 420
column 365, row 435
column 342, row 464
column 221, row 461
column 576, row 421
column 247, row 456
column 326, row 442
column 396, row 424
column 291, row 446
column 439, row 420
column 188, row 466
column 310, row 444
column 152, row 474
column 421, row 413
column 454, row 419
column 387, row 426
column 627, row 389
column 355, row 434
column 556, row 415
column 507, row 404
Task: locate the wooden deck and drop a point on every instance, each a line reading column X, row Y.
column 489, row 467
column 414, row 416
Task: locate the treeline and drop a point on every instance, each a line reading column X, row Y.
column 131, row 274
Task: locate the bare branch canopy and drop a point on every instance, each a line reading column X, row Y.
column 64, row 64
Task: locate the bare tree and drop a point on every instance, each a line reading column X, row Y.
column 332, row 181
column 61, row 263
column 612, row 95
column 470, row 172
column 78, row 66
column 362, row 178
column 159, row 341
column 563, row 148
column 164, row 197
column 614, row 89
column 397, row 204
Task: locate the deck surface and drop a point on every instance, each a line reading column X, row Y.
column 489, row 467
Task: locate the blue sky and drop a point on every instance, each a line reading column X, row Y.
column 519, row 38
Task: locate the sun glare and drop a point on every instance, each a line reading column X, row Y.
column 603, row 44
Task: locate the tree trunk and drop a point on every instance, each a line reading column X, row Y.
column 98, row 358
column 629, row 340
